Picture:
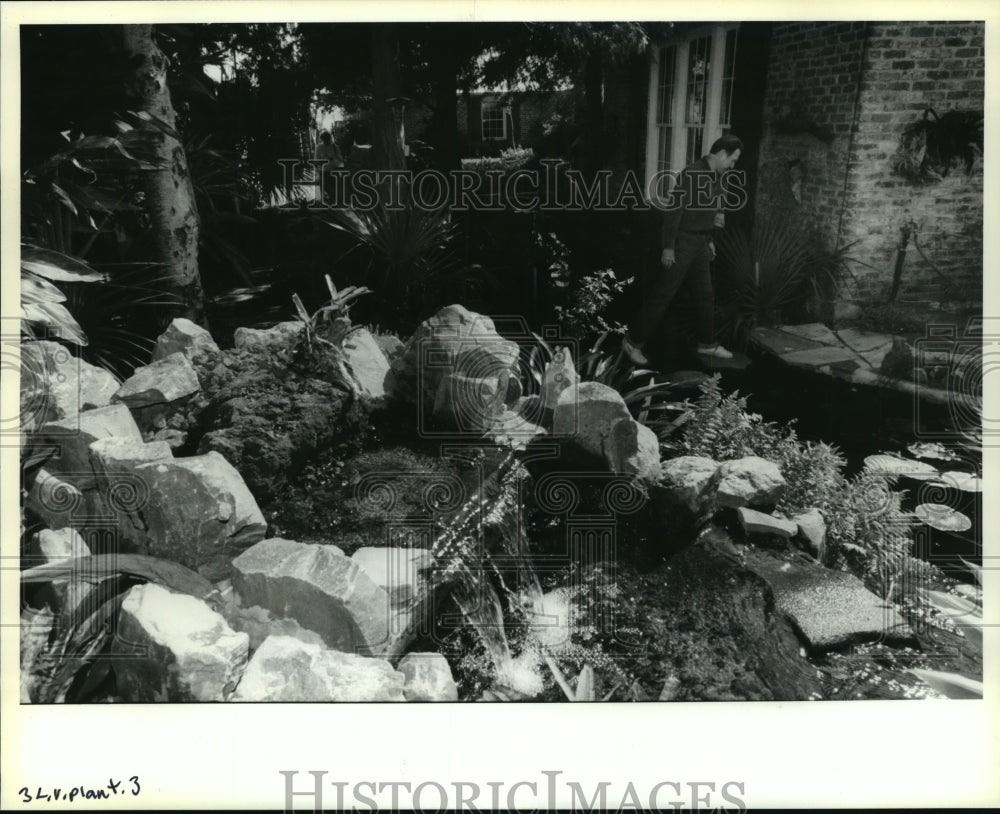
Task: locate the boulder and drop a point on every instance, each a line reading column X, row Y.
column 514, row 428
column 749, row 481
column 124, row 492
column 588, row 412
column 684, row 498
column 200, row 513
column 55, row 385
column 559, row 374
column 392, row 347
column 287, row 669
column 691, row 480
column 259, row 623
column 812, row 532
column 174, row 647
column 167, row 380
column 367, row 363
column 184, row 336
column 395, row 570
column 454, row 340
column 270, row 339
column 469, row 404
column 318, row 587
column 73, row 436
column 754, row 522
column 634, row 449
column 428, row 677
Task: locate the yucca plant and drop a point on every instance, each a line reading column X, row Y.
column 652, row 398
column 766, row 275
column 410, row 251
column 42, row 300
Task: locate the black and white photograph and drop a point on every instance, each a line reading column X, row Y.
column 531, row 373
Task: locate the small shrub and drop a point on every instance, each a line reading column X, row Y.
column 583, row 313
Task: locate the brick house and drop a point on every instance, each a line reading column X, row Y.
column 821, row 107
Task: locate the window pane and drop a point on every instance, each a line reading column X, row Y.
column 695, row 140
column 697, row 84
column 493, row 120
column 665, row 94
column 728, row 73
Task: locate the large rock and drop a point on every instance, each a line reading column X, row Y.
column 588, row 412
column 560, row 373
column 287, row 669
column 184, row 336
column 367, row 363
column 73, row 437
column 58, row 503
column 395, row 570
column 453, row 341
column 749, row 481
column 55, row 385
column 634, row 449
column 269, row 339
column 174, row 647
column 812, row 532
column 691, row 481
column 469, row 404
column 124, row 492
column 428, row 677
column 259, row 623
column 166, row 381
column 754, row 522
column 200, row 513
column 318, row 587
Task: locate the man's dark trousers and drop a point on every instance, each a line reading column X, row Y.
column 691, row 267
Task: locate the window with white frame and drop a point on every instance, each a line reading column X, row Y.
column 690, row 97
column 494, row 119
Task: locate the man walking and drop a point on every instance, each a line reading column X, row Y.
column 694, row 211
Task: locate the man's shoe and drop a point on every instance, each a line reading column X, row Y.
column 715, row 350
column 634, row 353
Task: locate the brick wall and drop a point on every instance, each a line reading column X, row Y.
column 910, row 67
column 825, row 80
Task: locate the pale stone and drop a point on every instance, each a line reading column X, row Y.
column 163, row 382
column 174, row 647
column 749, row 481
column 754, row 522
column 320, row 588
column 428, row 677
column 270, row 339
column 588, row 412
column 367, row 363
column 634, row 449
column 287, row 669
column 200, row 513
column 469, row 404
column 691, row 478
column 55, row 385
column 395, row 570
column 812, row 531
column 559, row 374
column 184, row 336
column 73, row 436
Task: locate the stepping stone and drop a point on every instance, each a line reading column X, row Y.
column 865, row 341
column 740, row 361
column 755, row 522
column 831, row 609
column 816, row 357
column 816, row 331
column 779, row 342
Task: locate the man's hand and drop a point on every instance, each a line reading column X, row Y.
column 667, row 258
column 711, row 248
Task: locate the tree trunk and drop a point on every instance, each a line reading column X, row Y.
column 170, row 200
column 385, row 87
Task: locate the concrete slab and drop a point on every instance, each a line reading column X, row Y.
column 865, row 341
column 815, row 357
column 778, row 342
column 816, row 331
column 831, row 609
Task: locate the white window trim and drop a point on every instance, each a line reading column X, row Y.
column 504, row 114
column 713, row 130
